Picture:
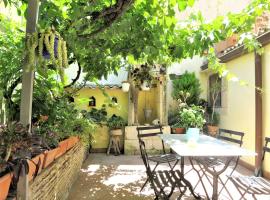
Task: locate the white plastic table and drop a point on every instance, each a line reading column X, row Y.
column 205, row 147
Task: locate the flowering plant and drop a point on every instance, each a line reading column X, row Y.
column 192, row 116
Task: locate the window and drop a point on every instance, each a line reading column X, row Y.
column 215, row 87
column 114, row 100
column 92, row 101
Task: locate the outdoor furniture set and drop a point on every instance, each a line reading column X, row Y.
column 209, row 157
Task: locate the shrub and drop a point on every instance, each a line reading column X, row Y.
column 187, row 83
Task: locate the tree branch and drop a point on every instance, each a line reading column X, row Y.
column 108, row 15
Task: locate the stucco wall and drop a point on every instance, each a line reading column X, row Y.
column 238, row 106
column 101, row 136
column 266, row 99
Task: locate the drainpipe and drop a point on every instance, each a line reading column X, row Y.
column 258, row 111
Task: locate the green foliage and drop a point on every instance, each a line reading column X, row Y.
column 139, row 75
column 98, row 116
column 116, row 122
column 192, row 117
column 187, row 84
column 11, row 135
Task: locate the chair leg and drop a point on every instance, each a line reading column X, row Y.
column 148, row 178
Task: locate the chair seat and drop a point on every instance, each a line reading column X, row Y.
column 166, row 178
column 164, row 158
column 252, row 185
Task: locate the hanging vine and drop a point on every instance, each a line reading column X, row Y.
column 47, row 47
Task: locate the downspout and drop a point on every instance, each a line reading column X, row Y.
column 258, row 111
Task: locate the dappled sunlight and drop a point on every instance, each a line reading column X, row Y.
column 108, row 177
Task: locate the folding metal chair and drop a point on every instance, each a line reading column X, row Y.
column 254, row 185
column 163, row 182
column 231, row 136
column 153, row 131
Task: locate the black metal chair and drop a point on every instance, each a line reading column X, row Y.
column 231, row 136
column 163, row 182
column 154, row 131
column 254, row 185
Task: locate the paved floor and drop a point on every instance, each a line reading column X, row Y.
column 111, row 177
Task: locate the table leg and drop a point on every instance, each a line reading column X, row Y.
column 186, row 182
column 213, row 172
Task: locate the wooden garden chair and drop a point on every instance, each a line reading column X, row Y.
column 254, row 185
column 153, row 131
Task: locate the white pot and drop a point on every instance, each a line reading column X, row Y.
column 125, row 86
column 193, row 134
column 145, row 86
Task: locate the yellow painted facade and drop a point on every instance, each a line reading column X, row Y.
column 146, row 99
column 266, row 99
column 101, row 136
column 238, row 101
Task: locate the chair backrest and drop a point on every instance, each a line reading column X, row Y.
column 150, row 131
column 231, row 136
column 266, row 149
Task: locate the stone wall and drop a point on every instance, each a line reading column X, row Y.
column 152, row 144
column 55, row 181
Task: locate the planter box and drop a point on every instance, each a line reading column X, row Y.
column 62, row 148
column 72, row 141
column 49, row 157
column 33, row 165
column 4, row 185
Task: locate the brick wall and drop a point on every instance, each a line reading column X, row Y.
column 55, row 181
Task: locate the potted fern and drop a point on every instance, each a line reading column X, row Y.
column 115, row 124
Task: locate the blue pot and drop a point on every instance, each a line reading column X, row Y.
column 193, row 134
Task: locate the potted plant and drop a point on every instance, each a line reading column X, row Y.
column 179, row 127
column 115, row 124
column 125, row 86
column 193, row 119
column 142, row 77
column 213, row 116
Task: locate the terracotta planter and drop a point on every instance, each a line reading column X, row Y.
column 212, row 130
column 72, row 141
column 4, row 185
column 225, row 44
column 178, row 130
column 62, row 148
column 33, row 165
column 49, row 157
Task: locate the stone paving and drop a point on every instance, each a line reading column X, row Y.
column 111, row 177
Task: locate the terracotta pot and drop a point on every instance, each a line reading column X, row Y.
column 49, row 157
column 4, row 185
column 178, row 130
column 62, row 148
column 225, row 44
column 116, row 132
column 72, row 141
column 33, row 165
column 212, row 130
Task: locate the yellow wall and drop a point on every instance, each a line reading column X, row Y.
column 101, row 136
column 148, row 99
column 266, row 99
column 238, row 102
column 238, row 108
